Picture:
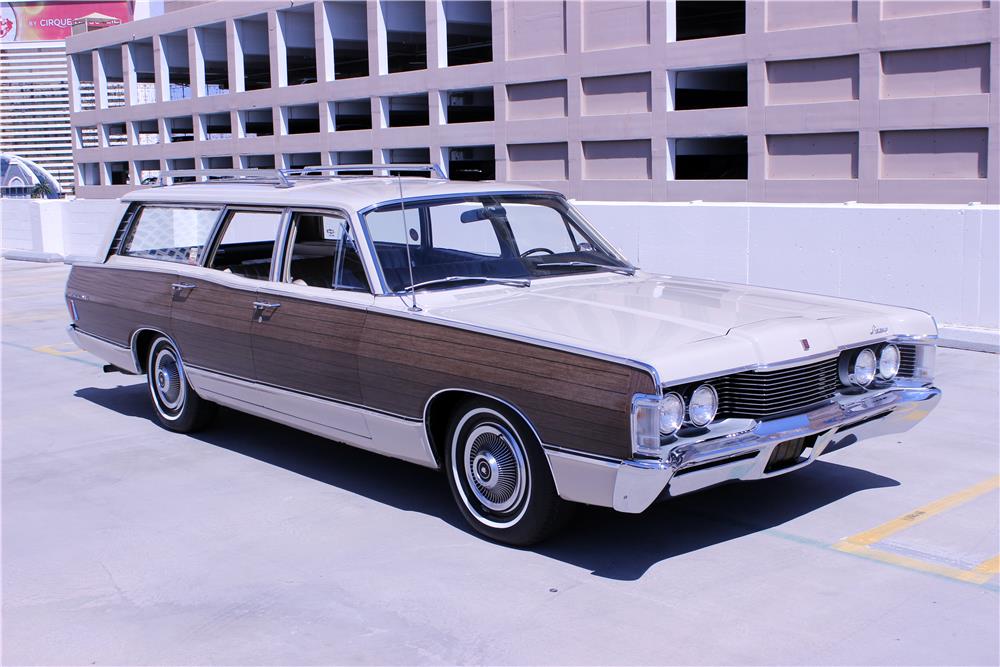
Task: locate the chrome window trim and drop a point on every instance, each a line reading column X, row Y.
column 221, row 224
column 142, row 205
column 351, row 228
column 458, row 195
column 579, row 218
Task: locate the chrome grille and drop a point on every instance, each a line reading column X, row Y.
column 763, row 393
column 907, row 360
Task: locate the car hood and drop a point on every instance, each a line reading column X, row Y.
column 682, row 327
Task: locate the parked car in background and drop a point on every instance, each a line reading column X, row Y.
column 485, row 329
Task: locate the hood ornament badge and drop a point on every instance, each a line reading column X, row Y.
column 805, row 344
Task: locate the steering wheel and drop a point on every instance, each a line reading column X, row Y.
column 534, row 250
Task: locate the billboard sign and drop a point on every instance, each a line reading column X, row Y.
column 36, row 21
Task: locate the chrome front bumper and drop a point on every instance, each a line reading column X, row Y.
column 689, row 464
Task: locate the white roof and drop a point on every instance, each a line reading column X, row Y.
column 349, row 193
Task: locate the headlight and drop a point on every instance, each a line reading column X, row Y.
column 703, row 405
column 888, row 361
column 671, row 413
column 862, row 369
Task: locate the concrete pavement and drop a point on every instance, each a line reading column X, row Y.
column 252, row 543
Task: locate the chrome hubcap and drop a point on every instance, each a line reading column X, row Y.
column 494, row 467
column 168, row 384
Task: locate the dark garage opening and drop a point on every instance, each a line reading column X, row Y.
column 472, row 163
column 408, row 156
column 715, row 158
column 298, row 29
column 301, row 119
column 118, row 173
column 714, row 18
column 252, row 33
column 474, row 105
column 405, row 35
column 407, row 110
column 257, row 122
column 352, row 115
column 470, row 31
column 711, row 88
column 348, row 24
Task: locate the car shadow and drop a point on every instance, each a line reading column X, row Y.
column 607, row 543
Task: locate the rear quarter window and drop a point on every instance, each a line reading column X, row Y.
column 171, row 233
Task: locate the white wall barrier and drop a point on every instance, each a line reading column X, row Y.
column 942, row 259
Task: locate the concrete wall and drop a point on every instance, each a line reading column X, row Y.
column 942, row 259
column 51, row 230
column 827, row 100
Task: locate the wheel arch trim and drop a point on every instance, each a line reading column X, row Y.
column 133, row 344
column 472, row 392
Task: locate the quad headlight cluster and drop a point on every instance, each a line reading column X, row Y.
column 699, row 409
column 860, row 368
column 653, row 417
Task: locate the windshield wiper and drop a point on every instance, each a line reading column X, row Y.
column 515, row 282
column 625, row 270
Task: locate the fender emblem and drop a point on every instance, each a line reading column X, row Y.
column 876, row 330
column 805, row 344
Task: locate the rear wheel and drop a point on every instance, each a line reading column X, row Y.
column 499, row 476
column 177, row 406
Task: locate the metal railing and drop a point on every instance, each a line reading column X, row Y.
column 286, row 178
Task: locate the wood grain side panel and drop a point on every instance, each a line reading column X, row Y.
column 573, row 401
column 310, row 346
column 211, row 325
column 113, row 303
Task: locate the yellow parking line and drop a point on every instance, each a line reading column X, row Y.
column 975, row 576
column 990, row 567
column 53, row 350
column 921, row 514
column 861, row 544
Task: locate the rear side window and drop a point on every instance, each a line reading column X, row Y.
column 247, row 243
column 171, row 234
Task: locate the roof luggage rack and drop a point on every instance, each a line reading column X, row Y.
column 286, row 178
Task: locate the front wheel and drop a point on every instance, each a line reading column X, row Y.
column 499, row 476
column 177, row 406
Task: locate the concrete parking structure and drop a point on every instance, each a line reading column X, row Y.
column 251, row 543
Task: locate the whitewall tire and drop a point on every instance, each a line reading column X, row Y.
column 499, row 476
column 176, row 405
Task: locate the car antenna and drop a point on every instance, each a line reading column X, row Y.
column 406, row 239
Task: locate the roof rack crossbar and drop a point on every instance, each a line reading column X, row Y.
column 333, row 170
column 274, row 176
column 285, row 178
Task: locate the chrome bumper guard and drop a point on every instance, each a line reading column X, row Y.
column 691, row 464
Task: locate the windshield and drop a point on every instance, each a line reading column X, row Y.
column 484, row 237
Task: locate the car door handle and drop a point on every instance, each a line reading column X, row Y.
column 264, row 305
column 177, row 287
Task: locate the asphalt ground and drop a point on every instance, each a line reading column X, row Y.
column 252, row 543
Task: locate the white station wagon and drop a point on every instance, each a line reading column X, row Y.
column 488, row 330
